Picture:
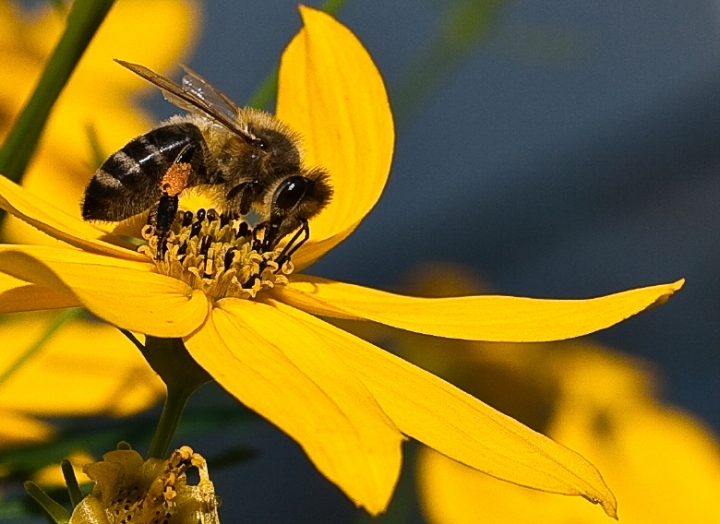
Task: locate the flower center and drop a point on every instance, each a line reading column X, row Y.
column 218, row 254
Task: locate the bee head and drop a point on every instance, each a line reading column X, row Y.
column 295, row 200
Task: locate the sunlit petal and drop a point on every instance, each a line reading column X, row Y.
column 279, row 368
column 41, row 214
column 18, row 295
column 332, row 93
column 487, row 317
column 122, row 292
column 461, row 427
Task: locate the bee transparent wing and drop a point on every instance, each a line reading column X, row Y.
column 194, row 83
column 190, row 100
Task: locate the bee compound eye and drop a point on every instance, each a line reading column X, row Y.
column 291, row 191
column 262, row 144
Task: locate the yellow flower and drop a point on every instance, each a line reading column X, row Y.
column 65, row 378
column 128, row 489
column 348, row 403
column 663, row 466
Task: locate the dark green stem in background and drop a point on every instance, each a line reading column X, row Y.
column 83, row 21
column 71, row 482
column 265, row 94
column 182, row 376
column 55, row 511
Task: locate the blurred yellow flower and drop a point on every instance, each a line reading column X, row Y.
column 348, row 403
column 66, row 378
column 662, row 465
column 86, row 368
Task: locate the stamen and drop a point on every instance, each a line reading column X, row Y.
column 219, row 256
column 195, row 230
column 187, row 218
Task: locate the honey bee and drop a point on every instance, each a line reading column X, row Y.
column 252, row 160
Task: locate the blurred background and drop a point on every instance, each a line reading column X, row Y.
column 553, row 148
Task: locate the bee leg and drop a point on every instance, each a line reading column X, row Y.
column 173, row 182
column 295, row 243
column 164, row 218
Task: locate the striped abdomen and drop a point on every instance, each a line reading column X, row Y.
column 128, row 183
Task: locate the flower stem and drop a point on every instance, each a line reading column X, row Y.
column 83, row 21
column 169, row 420
column 182, row 376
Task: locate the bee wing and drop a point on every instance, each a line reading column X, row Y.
column 194, row 83
column 194, row 99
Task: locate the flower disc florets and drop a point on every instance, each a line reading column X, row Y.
column 218, row 254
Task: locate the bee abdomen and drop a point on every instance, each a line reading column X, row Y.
column 128, row 183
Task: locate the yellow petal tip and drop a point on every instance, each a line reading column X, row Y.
column 609, row 506
column 675, row 286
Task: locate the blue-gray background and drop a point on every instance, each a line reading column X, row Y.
column 573, row 151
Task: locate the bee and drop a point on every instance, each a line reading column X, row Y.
column 252, row 161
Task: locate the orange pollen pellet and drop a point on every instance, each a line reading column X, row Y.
column 175, row 179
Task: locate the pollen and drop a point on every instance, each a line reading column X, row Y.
column 175, row 179
column 218, row 254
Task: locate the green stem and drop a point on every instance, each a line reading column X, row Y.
column 169, row 419
column 182, row 376
column 71, row 482
column 83, row 21
column 54, row 510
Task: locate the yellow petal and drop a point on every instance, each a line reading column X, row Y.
column 276, row 366
column 461, row 427
column 332, row 93
column 18, row 295
column 44, row 216
column 126, row 294
column 489, row 318
column 19, row 429
column 163, row 31
column 106, row 376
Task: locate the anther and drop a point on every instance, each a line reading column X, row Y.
column 229, row 257
column 224, row 219
column 208, row 264
column 243, row 230
column 250, row 281
column 201, row 214
column 187, row 219
column 195, row 230
column 212, row 215
column 182, row 250
column 205, row 244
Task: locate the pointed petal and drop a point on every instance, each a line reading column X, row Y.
column 461, row 427
column 18, row 295
column 127, row 294
column 488, row 317
column 276, row 366
column 47, row 218
column 332, row 93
